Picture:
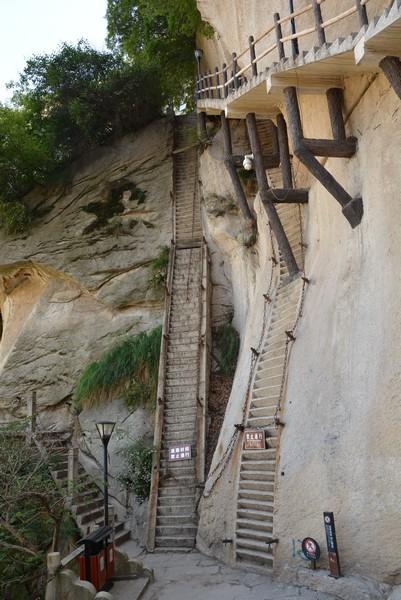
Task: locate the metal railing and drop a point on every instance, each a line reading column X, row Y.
column 220, row 83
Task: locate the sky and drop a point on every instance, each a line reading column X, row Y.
column 30, row 27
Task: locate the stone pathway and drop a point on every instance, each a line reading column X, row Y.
column 193, row 576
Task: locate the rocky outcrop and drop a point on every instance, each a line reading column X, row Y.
column 79, row 279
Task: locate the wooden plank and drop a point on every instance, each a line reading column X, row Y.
column 284, row 149
column 288, row 195
column 334, row 148
column 335, row 104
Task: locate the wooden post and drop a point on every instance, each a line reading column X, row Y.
column 217, row 80
column 253, row 55
column 352, row 208
column 225, row 88
column 285, row 159
column 202, row 125
column 53, row 566
column 317, row 13
column 235, row 69
column 279, row 35
column 274, row 219
column 362, row 13
column 294, row 42
column 72, row 473
column 232, row 171
column 335, row 104
column 210, row 84
column 391, row 67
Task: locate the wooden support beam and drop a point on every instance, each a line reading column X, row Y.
column 279, row 35
column 352, row 208
column 362, row 13
column 277, row 227
column 285, row 158
column 334, row 148
column 232, row 171
column 391, row 67
column 288, row 195
column 270, row 161
column 335, row 104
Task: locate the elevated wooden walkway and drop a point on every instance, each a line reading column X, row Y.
column 251, row 89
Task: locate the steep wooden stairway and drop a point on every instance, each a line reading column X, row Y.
column 182, row 388
column 255, row 500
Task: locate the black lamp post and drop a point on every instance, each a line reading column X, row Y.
column 105, row 429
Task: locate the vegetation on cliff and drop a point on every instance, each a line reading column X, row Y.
column 162, row 34
column 65, row 104
column 129, row 368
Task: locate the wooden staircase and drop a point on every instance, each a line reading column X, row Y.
column 257, row 471
column 184, row 363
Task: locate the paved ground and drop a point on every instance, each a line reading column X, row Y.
column 193, row 576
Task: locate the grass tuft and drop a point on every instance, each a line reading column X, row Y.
column 131, row 363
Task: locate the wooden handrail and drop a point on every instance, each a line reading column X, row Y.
column 295, row 36
column 295, row 14
column 339, row 17
column 318, row 27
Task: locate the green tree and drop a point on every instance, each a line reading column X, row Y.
column 160, row 33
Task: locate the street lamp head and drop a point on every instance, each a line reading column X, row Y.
column 198, row 54
column 105, row 430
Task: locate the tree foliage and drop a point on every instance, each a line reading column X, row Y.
column 33, row 516
column 65, row 104
column 151, row 32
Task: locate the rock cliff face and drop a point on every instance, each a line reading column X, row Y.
column 79, row 279
column 340, row 447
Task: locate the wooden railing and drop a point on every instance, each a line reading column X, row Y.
column 230, row 77
column 158, row 432
column 204, row 367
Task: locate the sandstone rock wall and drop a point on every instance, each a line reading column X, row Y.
column 340, row 448
column 79, row 279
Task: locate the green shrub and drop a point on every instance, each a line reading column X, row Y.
column 137, row 473
column 135, row 359
column 159, row 266
column 227, row 343
column 14, row 217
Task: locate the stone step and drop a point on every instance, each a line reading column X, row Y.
column 254, row 534
column 258, row 526
column 176, row 511
column 173, row 542
column 256, row 485
column 182, row 530
column 183, row 500
column 255, row 556
column 258, row 475
column 255, row 515
column 89, row 516
column 175, row 469
column 261, row 402
column 257, row 495
column 265, row 411
column 251, row 455
column 86, row 506
column 176, row 491
column 260, row 421
column 258, row 465
column 255, row 505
